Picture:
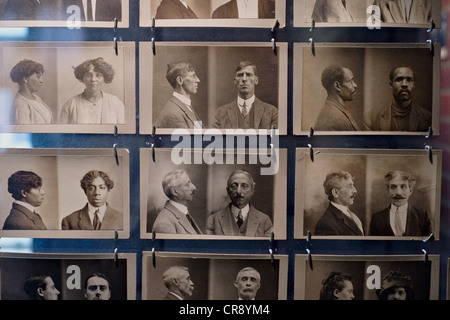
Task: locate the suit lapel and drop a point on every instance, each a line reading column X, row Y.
column 346, row 220
column 226, row 221
column 190, row 114
column 258, row 111
column 181, row 217
column 252, row 223
column 231, row 112
column 84, row 220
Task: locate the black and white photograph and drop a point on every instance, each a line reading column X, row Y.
column 73, row 14
column 364, row 89
column 220, row 86
column 367, row 277
column 373, row 14
column 65, row 276
column 201, row 276
column 226, row 195
column 368, row 194
column 213, row 13
column 64, row 193
column 68, row 87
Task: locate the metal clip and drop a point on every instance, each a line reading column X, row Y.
column 153, row 153
column 432, row 26
column 425, row 255
column 430, row 133
column 116, row 257
column 274, row 45
column 153, row 23
column 153, row 249
column 271, row 249
column 116, row 50
column 431, row 46
column 115, row 24
column 430, row 154
column 153, row 46
column 153, row 131
column 308, row 236
column 311, row 44
column 115, row 153
column 313, row 25
column 430, row 238
column 311, row 132
column 116, row 131
column 309, row 259
column 276, row 25
column 311, row 152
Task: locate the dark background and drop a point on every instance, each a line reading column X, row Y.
column 290, row 246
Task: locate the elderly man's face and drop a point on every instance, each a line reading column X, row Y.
column 248, row 284
column 185, row 190
column 240, row 190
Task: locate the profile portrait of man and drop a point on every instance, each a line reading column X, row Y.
column 97, row 287
column 40, row 287
column 335, row 115
column 248, row 282
column 175, row 9
column 337, row 286
column 179, row 283
column 405, row 11
column 234, row 9
column 174, row 217
column 26, row 189
column 337, row 218
column 396, row 286
column 178, row 112
column 239, row 217
column 402, row 114
column 400, row 218
column 332, row 11
column 246, row 111
column 97, row 214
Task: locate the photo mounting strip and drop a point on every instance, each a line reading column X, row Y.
column 214, row 65
column 414, row 181
column 71, row 14
column 202, row 13
column 61, row 194
column 368, row 96
column 372, row 276
column 372, row 14
column 62, row 102
column 208, row 272
column 68, row 272
column 208, row 193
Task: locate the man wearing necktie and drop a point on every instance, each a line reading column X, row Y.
column 400, row 218
column 257, row 114
column 174, row 9
column 338, row 219
column 97, row 214
column 249, row 9
column 178, row 112
column 332, row 11
column 405, row 11
column 175, row 217
column 26, row 189
column 97, row 10
column 239, row 217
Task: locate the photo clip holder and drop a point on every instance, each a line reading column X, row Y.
column 153, row 46
column 311, row 44
column 425, row 255
column 272, row 146
column 152, row 144
column 271, row 249
column 308, row 251
column 432, row 26
column 153, row 249
column 116, row 255
column 313, row 25
column 431, row 46
column 116, row 156
column 115, row 21
column 274, row 45
column 430, row 153
column 311, row 152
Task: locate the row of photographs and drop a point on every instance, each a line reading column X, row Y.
column 220, row 13
column 201, row 276
column 200, row 87
column 211, row 184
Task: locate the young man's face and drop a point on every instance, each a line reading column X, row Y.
column 246, row 81
column 399, row 191
column 97, row 192
column 189, row 82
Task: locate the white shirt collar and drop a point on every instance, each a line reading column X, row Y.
column 26, row 205
column 101, row 211
column 245, row 211
column 249, row 102
column 179, row 206
column 94, row 2
column 183, row 99
column 247, row 8
column 403, row 212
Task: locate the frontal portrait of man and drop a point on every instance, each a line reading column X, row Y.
column 97, row 287
column 97, row 214
column 248, row 282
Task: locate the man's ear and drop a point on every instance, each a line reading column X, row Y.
column 179, row 80
column 40, row 292
column 334, row 192
column 256, row 80
column 337, row 86
column 236, row 284
column 390, row 84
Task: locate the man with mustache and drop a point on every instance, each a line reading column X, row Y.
column 248, row 282
column 175, row 217
column 341, row 87
column 402, row 114
column 338, row 220
column 239, row 217
column 400, row 218
column 177, row 280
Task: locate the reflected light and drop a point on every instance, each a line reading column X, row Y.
column 19, row 32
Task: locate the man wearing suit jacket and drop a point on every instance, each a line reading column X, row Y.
column 239, row 217
column 96, row 214
column 338, row 220
column 178, row 111
column 234, row 9
column 174, row 9
column 332, row 11
column 405, row 11
column 246, row 111
column 174, row 217
column 400, row 218
column 179, row 283
column 341, row 87
column 26, row 189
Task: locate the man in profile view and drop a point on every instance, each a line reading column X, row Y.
column 179, row 283
column 234, row 9
column 175, row 9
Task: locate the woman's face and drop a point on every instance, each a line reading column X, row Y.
column 93, row 80
column 34, row 82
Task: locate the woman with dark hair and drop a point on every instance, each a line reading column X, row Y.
column 28, row 107
column 93, row 105
column 337, row 286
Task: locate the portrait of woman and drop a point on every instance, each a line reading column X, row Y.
column 28, row 107
column 93, row 105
